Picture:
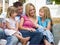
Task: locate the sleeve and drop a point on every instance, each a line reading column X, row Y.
column 48, row 20
column 24, row 17
column 7, row 19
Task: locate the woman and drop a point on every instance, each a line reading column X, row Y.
column 27, row 27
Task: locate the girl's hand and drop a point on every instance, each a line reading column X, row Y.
column 45, row 28
column 14, row 29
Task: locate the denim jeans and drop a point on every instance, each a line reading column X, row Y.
column 35, row 37
column 2, row 34
column 11, row 40
column 47, row 33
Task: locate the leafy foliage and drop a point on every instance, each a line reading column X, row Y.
column 56, row 1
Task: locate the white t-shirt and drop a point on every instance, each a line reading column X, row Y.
column 12, row 24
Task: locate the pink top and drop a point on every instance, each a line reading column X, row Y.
column 28, row 23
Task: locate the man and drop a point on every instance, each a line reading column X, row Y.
column 13, row 39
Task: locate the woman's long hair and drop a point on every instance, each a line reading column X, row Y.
column 27, row 9
column 47, row 14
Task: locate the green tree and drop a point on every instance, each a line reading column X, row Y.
column 56, row 1
column 23, row 1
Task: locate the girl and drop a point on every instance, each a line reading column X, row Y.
column 12, row 25
column 45, row 21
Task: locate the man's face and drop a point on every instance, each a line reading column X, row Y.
column 20, row 9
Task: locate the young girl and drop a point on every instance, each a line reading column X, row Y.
column 12, row 25
column 45, row 22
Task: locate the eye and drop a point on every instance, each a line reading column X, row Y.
column 32, row 9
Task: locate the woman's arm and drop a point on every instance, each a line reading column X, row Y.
column 21, row 25
column 36, row 24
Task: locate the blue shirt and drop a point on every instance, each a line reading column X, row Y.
column 17, row 18
column 45, row 23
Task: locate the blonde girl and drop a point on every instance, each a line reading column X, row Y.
column 45, row 21
column 12, row 25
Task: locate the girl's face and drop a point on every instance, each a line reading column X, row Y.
column 41, row 13
column 14, row 14
column 32, row 11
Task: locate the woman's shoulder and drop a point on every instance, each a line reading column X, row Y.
column 24, row 17
column 38, row 18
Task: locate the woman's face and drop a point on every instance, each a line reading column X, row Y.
column 32, row 11
column 41, row 13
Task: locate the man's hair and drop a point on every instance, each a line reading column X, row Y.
column 17, row 4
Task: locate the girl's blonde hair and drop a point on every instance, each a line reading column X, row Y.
column 11, row 10
column 46, row 12
column 27, row 9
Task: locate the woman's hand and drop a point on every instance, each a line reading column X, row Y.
column 33, row 30
column 28, row 29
